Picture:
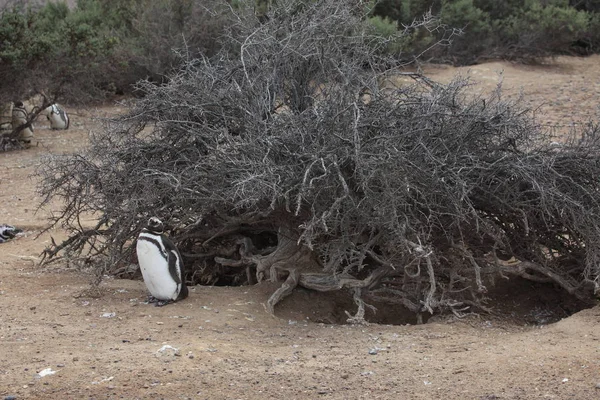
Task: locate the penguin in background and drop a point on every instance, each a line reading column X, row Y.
column 161, row 264
column 57, row 116
column 8, row 232
column 19, row 117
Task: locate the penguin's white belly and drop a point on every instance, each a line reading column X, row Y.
column 155, row 270
column 56, row 122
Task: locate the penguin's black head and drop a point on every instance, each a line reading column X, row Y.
column 155, row 225
column 8, row 232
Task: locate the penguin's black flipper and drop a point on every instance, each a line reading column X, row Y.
column 174, row 259
column 175, row 266
column 183, row 293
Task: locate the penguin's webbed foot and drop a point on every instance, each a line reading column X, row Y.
column 151, row 299
column 157, row 302
column 161, row 303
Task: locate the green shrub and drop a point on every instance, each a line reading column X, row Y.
column 543, row 30
column 384, row 27
column 513, row 29
column 586, row 5
column 53, row 49
column 387, row 29
column 475, row 24
column 591, row 40
column 392, row 9
column 103, row 45
column 20, row 41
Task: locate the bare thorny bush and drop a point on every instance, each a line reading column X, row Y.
column 281, row 158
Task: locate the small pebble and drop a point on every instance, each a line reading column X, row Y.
column 598, row 385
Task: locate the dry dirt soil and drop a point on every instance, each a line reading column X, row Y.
column 61, row 340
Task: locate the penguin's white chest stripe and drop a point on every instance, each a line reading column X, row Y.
column 154, row 264
column 157, row 242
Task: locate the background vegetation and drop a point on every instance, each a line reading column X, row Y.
column 100, row 47
column 509, row 29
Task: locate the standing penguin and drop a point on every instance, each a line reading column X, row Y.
column 57, row 116
column 19, row 117
column 161, row 264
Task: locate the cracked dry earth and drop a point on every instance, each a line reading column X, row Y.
column 61, row 340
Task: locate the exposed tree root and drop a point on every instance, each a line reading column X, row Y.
column 296, row 264
column 286, row 289
column 359, row 317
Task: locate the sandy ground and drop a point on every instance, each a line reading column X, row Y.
column 61, row 340
column 564, row 92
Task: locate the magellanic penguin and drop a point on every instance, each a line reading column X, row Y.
column 19, row 117
column 57, row 116
column 8, row 232
column 161, row 264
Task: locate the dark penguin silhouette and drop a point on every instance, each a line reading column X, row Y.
column 161, row 264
